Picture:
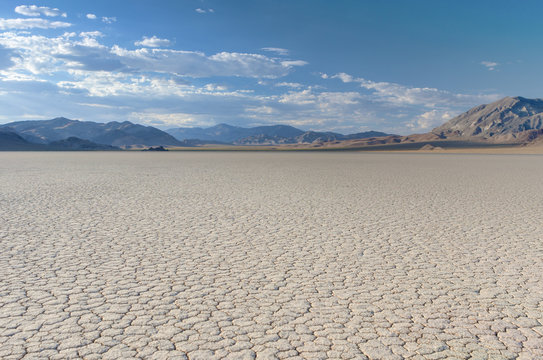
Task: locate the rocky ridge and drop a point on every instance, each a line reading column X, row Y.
column 511, row 119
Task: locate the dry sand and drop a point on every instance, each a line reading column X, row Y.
column 271, row 255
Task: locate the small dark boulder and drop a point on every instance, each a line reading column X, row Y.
column 156, row 148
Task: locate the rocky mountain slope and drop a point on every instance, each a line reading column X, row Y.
column 511, row 119
column 121, row 134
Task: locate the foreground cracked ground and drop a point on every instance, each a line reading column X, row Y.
column 270, row 256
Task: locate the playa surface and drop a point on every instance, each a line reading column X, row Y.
column 271, row 255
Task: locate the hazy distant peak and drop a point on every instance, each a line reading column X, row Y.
column 265, row 134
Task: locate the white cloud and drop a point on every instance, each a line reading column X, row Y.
column 104, row 84
column 401, row 95
column 289, row 84
column 324, row 100
column 346, row 78
column 304, row 97
column 204, row 11
column 33, row 10
column 490, row 65
column 91, row 16
column 152, row 42
column 89, row 39
column 215, row 87
column 279, row 51
column 170, row 119
column 31, row 23
column 103, row 106
column 45, row 55
column 429, row 120
column 289, row 63
column 91, row 34
column 109, row 20
column 266, row 110
column 197, row 64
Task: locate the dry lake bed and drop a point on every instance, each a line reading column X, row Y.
column 299, row 255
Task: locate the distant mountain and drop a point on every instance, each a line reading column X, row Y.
column 263, row 135
column 121, row 134
column 365, row 135
column 11, row 141
column 511, row 119
column 77, row 144
column 229, row 134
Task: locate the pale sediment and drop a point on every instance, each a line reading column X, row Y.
column 270, row 255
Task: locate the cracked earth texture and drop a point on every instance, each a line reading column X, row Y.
column 214, row 255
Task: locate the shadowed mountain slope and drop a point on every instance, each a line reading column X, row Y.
column 12, row 141
column 123, row 134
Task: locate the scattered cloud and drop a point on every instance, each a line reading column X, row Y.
column 152, row 42
column 45, row 55
column 197, row 64
column 267, row 110
column 490, row 65
column 278, row 51
column 324, row 100
column 104, row 84
column 170, row 119
column 401, row 95
column 109, row 20
column 429, row 120
column 91, row 16
column 289, row 84
column 33, row 10
column 346, row 78
column 102, row 106
column 31, row 23
column 290, row 63
column 92, row 34
column 204, row 11
column 215, row 87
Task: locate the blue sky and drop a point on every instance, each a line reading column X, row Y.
column 346, row 66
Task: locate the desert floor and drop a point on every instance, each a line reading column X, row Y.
column 271, row 255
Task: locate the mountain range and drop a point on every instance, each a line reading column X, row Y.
column 11, row 140
column 120, row 134
column 54, row 133
column 263, row 135
column 511, row 120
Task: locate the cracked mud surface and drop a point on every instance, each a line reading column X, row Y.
column 270, row 256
